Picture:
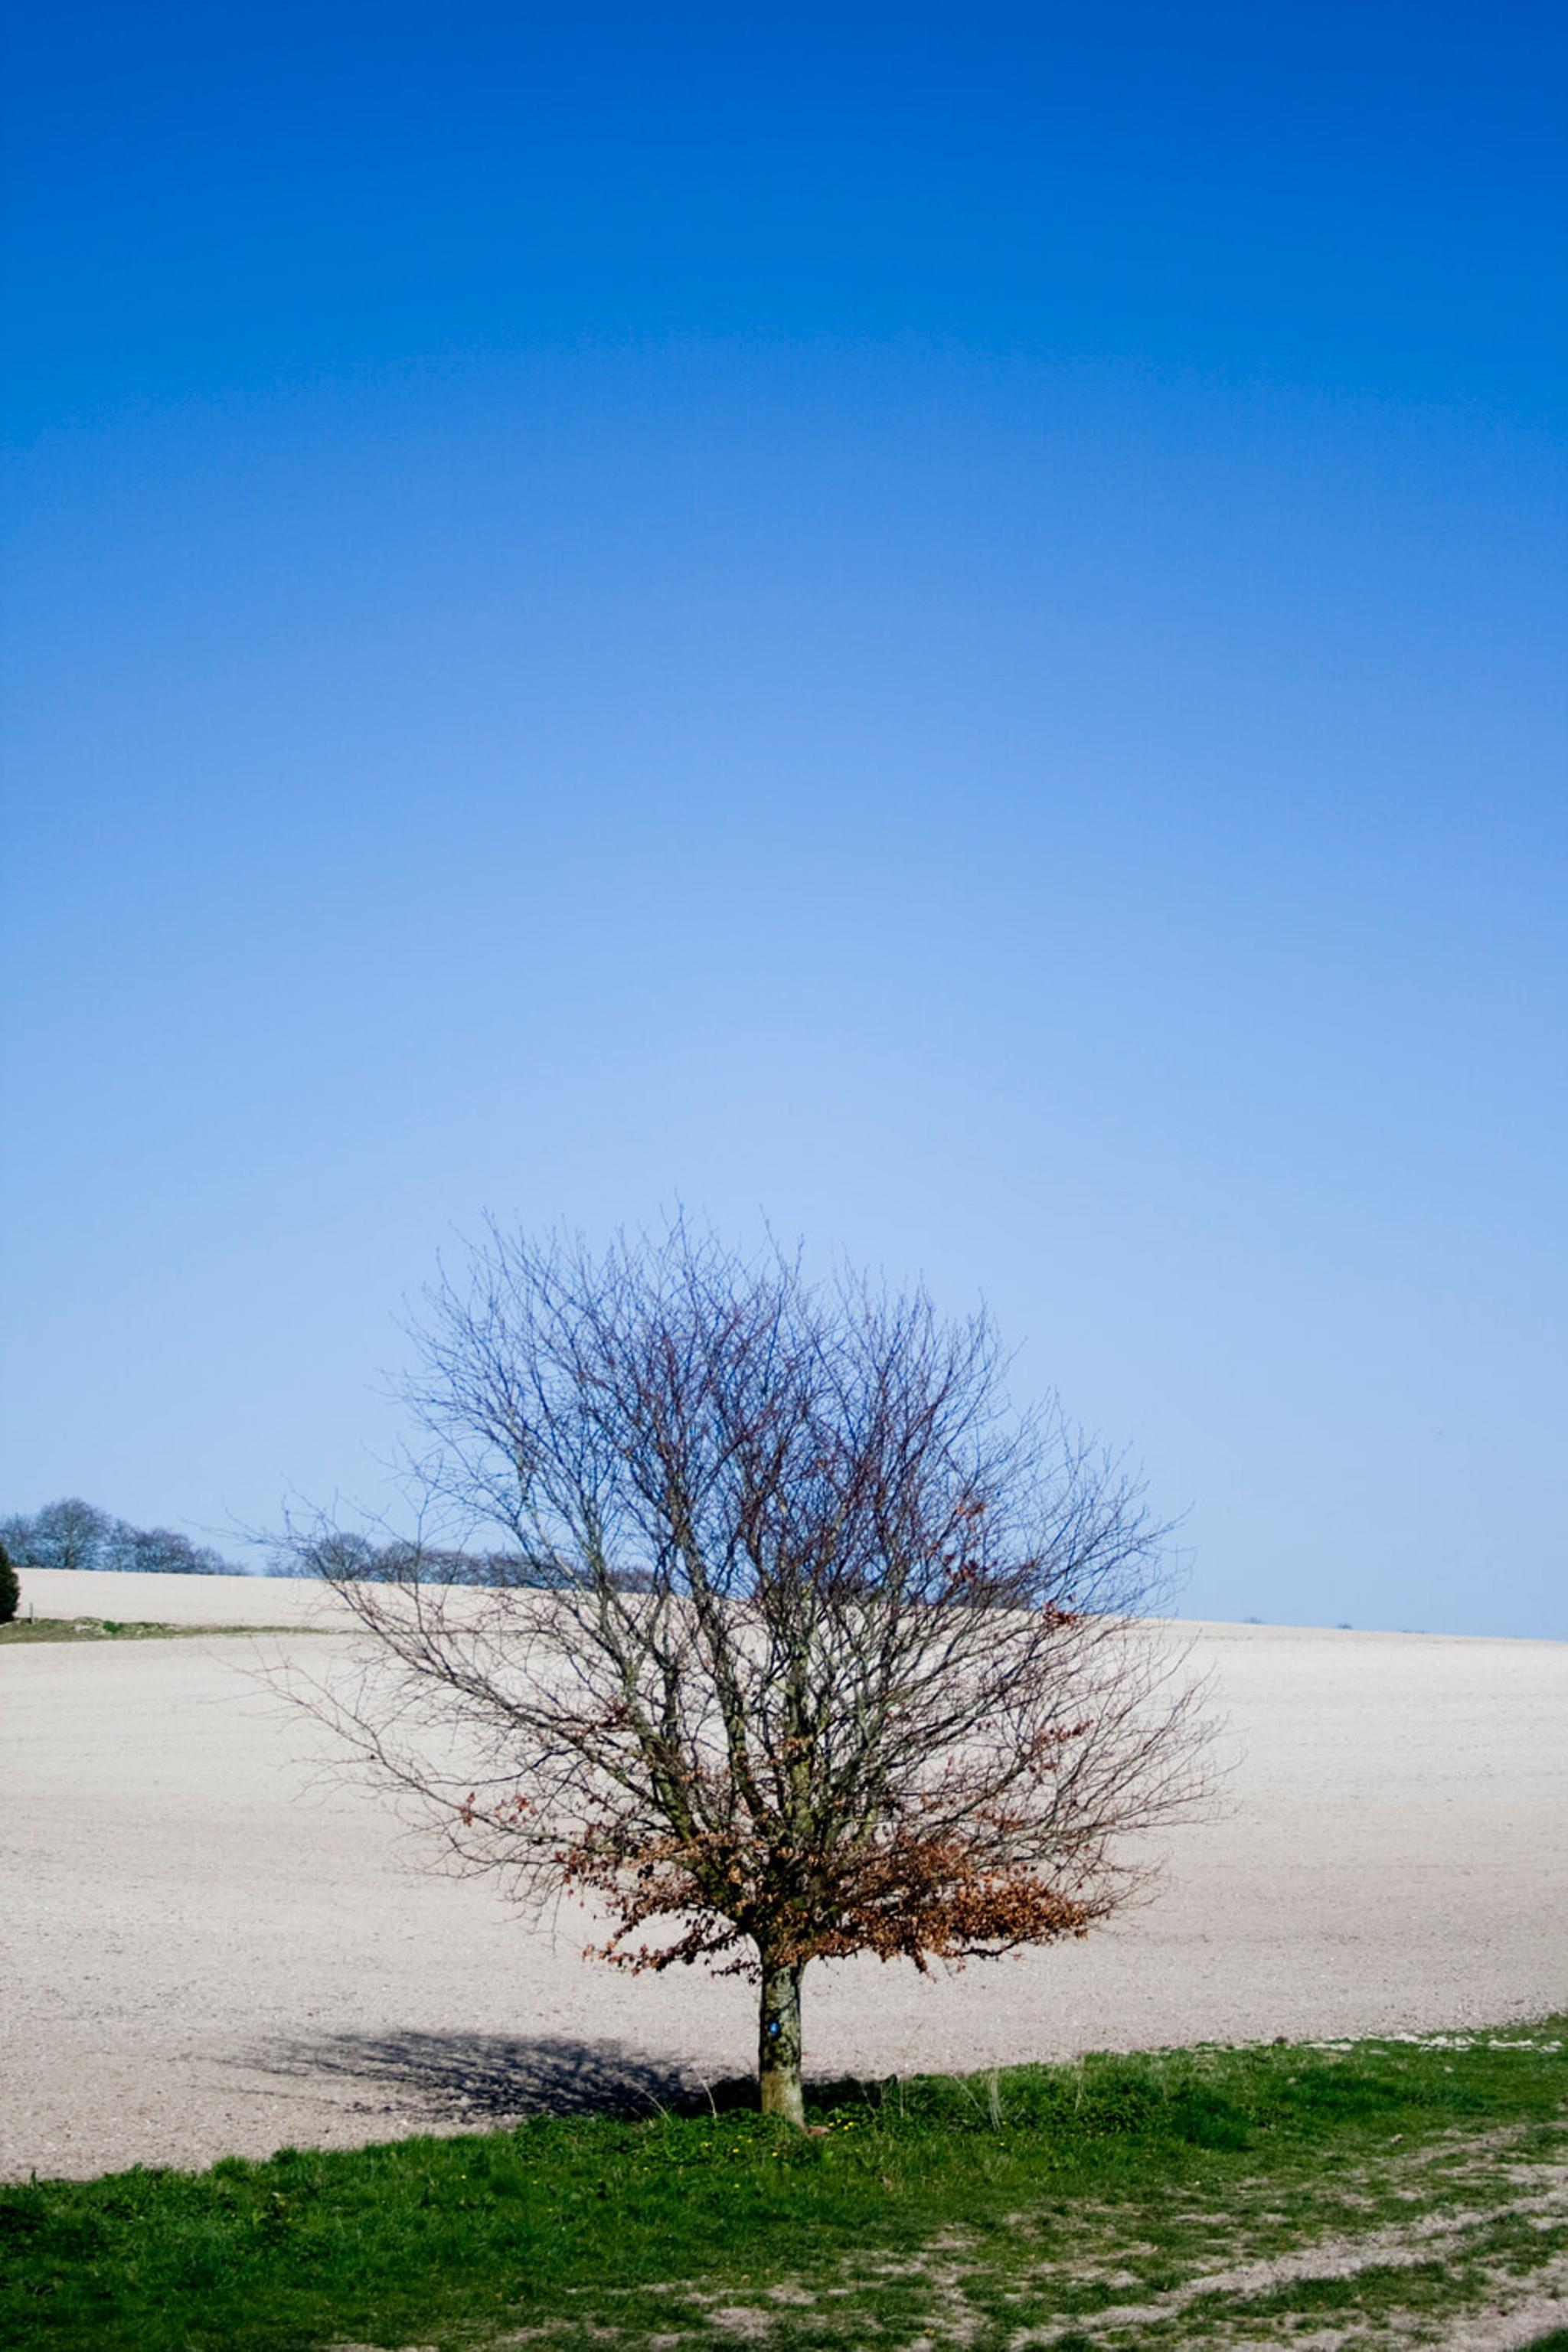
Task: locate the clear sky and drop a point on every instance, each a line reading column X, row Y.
column 939, row 624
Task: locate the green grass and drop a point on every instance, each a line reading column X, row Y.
column 115, row 1629
column 1123, row 2201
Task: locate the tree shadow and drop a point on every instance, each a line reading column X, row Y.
column 495, row 2078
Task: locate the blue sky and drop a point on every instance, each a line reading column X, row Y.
column 941, row 627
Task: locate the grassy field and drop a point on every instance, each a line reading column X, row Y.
column 114, row 1629
column 1375, row 2194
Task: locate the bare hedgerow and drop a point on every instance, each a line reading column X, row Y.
column 809, row 1645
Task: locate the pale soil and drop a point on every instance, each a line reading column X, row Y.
column 175, row 1600
column 203, row 1951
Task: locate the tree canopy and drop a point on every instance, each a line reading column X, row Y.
column 816, row 1645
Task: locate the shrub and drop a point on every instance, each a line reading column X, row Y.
column 10, row 1588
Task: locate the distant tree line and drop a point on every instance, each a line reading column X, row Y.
column 74, row 1534
column 344, row 1555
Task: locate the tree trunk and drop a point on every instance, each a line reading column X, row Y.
column 778, row 2058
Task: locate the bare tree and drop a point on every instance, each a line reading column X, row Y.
column 814, row 1647
column 338, row 1553
column 162, row 1551
column 72, row 1534
column 66, row 1534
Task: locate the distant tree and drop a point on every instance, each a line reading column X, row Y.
column 340, row 1553
column 10, row 1588
column 66, row 1534
column 819, row 1648
column 77, row 1535
column 405, row 1562
column 162, row 1551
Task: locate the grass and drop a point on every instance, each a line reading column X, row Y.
column 114, row 1629
column 1203, row 2197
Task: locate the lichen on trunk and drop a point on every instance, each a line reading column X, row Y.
column 779, row 2043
